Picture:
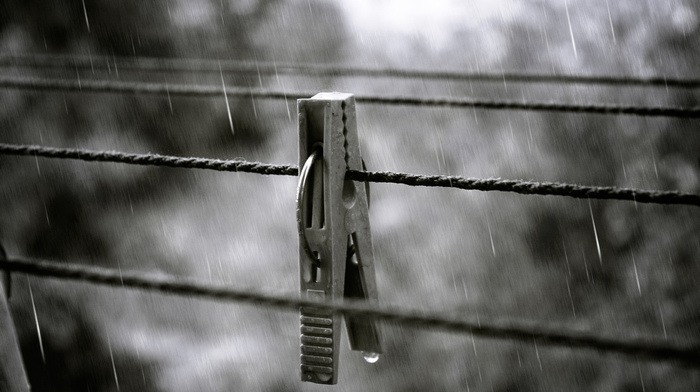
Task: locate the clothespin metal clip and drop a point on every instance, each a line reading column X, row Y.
column 335, row 250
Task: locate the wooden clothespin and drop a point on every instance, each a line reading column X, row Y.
column 12, row 375
column 335, row 250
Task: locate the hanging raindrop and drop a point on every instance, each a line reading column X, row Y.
column 370, row 357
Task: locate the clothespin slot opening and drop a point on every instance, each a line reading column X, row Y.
column 310, row 213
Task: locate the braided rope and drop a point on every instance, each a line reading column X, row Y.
column 149, row 159
column 121, row 87
column 490, row 184
column 653, row 349
column 150, row 64
column 529, row 187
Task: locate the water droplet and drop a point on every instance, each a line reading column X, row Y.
column 595, row 232
column 370, row 357
column 228, row 108
column 36, row 321
column 571, row 30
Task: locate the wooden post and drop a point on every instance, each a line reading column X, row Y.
column 12, row 375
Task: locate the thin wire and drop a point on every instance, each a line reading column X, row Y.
column 122, row 87
column 160, row 65
column 650, row 348
column 456, row 182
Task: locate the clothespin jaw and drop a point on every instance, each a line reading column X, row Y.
column 335, row 250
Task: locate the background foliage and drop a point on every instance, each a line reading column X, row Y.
column 460, row 252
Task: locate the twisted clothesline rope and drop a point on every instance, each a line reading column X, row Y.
column 489, row 184
column 653, row 349
column 161, row 65
column 121, row 87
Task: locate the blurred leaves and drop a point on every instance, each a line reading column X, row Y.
column 462, row 252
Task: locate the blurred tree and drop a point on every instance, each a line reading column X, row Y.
column 57, row 212
column 545, row 262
